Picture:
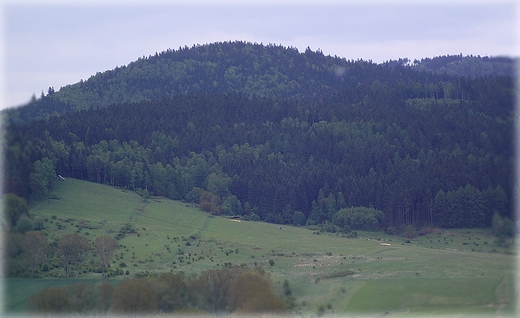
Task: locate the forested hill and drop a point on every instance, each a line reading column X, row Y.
column 347, row 145
column 469, row 66
column 251, row 69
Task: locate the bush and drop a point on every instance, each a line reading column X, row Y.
column 77, row 298
column 271, row 262
column 38, row 223
column 359, row 218
column 14, row 207
column 229, row 290
column 391, row 230
column 346, row 229
column 329, row 227
column 135, row 296
column 501, row 227
column 299, row 218
column 24, row 224
column 274, row 218
column 410, row 231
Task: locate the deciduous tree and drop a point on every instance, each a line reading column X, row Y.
column 14, row 207
column 134, row 296
column 72, row 249
column 104, row 247
column 35, row 246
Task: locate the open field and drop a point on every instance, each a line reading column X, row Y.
column 446, row 272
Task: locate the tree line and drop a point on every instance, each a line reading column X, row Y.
column 374, row 145
column 229, row 290
column 224, row 67
column 416, row 145
column 469, row 66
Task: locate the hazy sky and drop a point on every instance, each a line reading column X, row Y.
column 54, row 43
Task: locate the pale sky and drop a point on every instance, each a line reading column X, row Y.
column 55, row 43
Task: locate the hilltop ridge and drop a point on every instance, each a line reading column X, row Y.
column 251, row 69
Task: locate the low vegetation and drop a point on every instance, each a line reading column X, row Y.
column 236, row 289
column 313, row 271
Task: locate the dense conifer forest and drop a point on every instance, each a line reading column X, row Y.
column 270, row 133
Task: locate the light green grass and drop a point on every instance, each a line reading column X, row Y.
column 410, row 293
column 436, row 274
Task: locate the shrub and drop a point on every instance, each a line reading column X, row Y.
column 38, row 224
column 359, row 218
column 24, row 224
column 391, row 230
column 410, row 231
column 299, row 218
column 501, row 227
column 134, row 296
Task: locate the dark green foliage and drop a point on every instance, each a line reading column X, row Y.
column 502, row 227
column 38, row 223
column 266, row 139
column 225, row 67
column 24, row 224
column 410, row 231
column 14, row 207
column 298, row 218
column 42, row 178
column 469, row 66
column 358, row 218
column 466, row 207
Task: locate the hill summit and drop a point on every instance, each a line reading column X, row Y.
column 251, row 69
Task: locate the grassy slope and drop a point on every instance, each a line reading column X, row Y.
column 434, row 274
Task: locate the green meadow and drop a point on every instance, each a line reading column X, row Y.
column 446, row 272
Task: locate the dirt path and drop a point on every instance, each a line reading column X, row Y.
column 502, row 297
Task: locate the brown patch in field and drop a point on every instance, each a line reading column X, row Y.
column 452, row 234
